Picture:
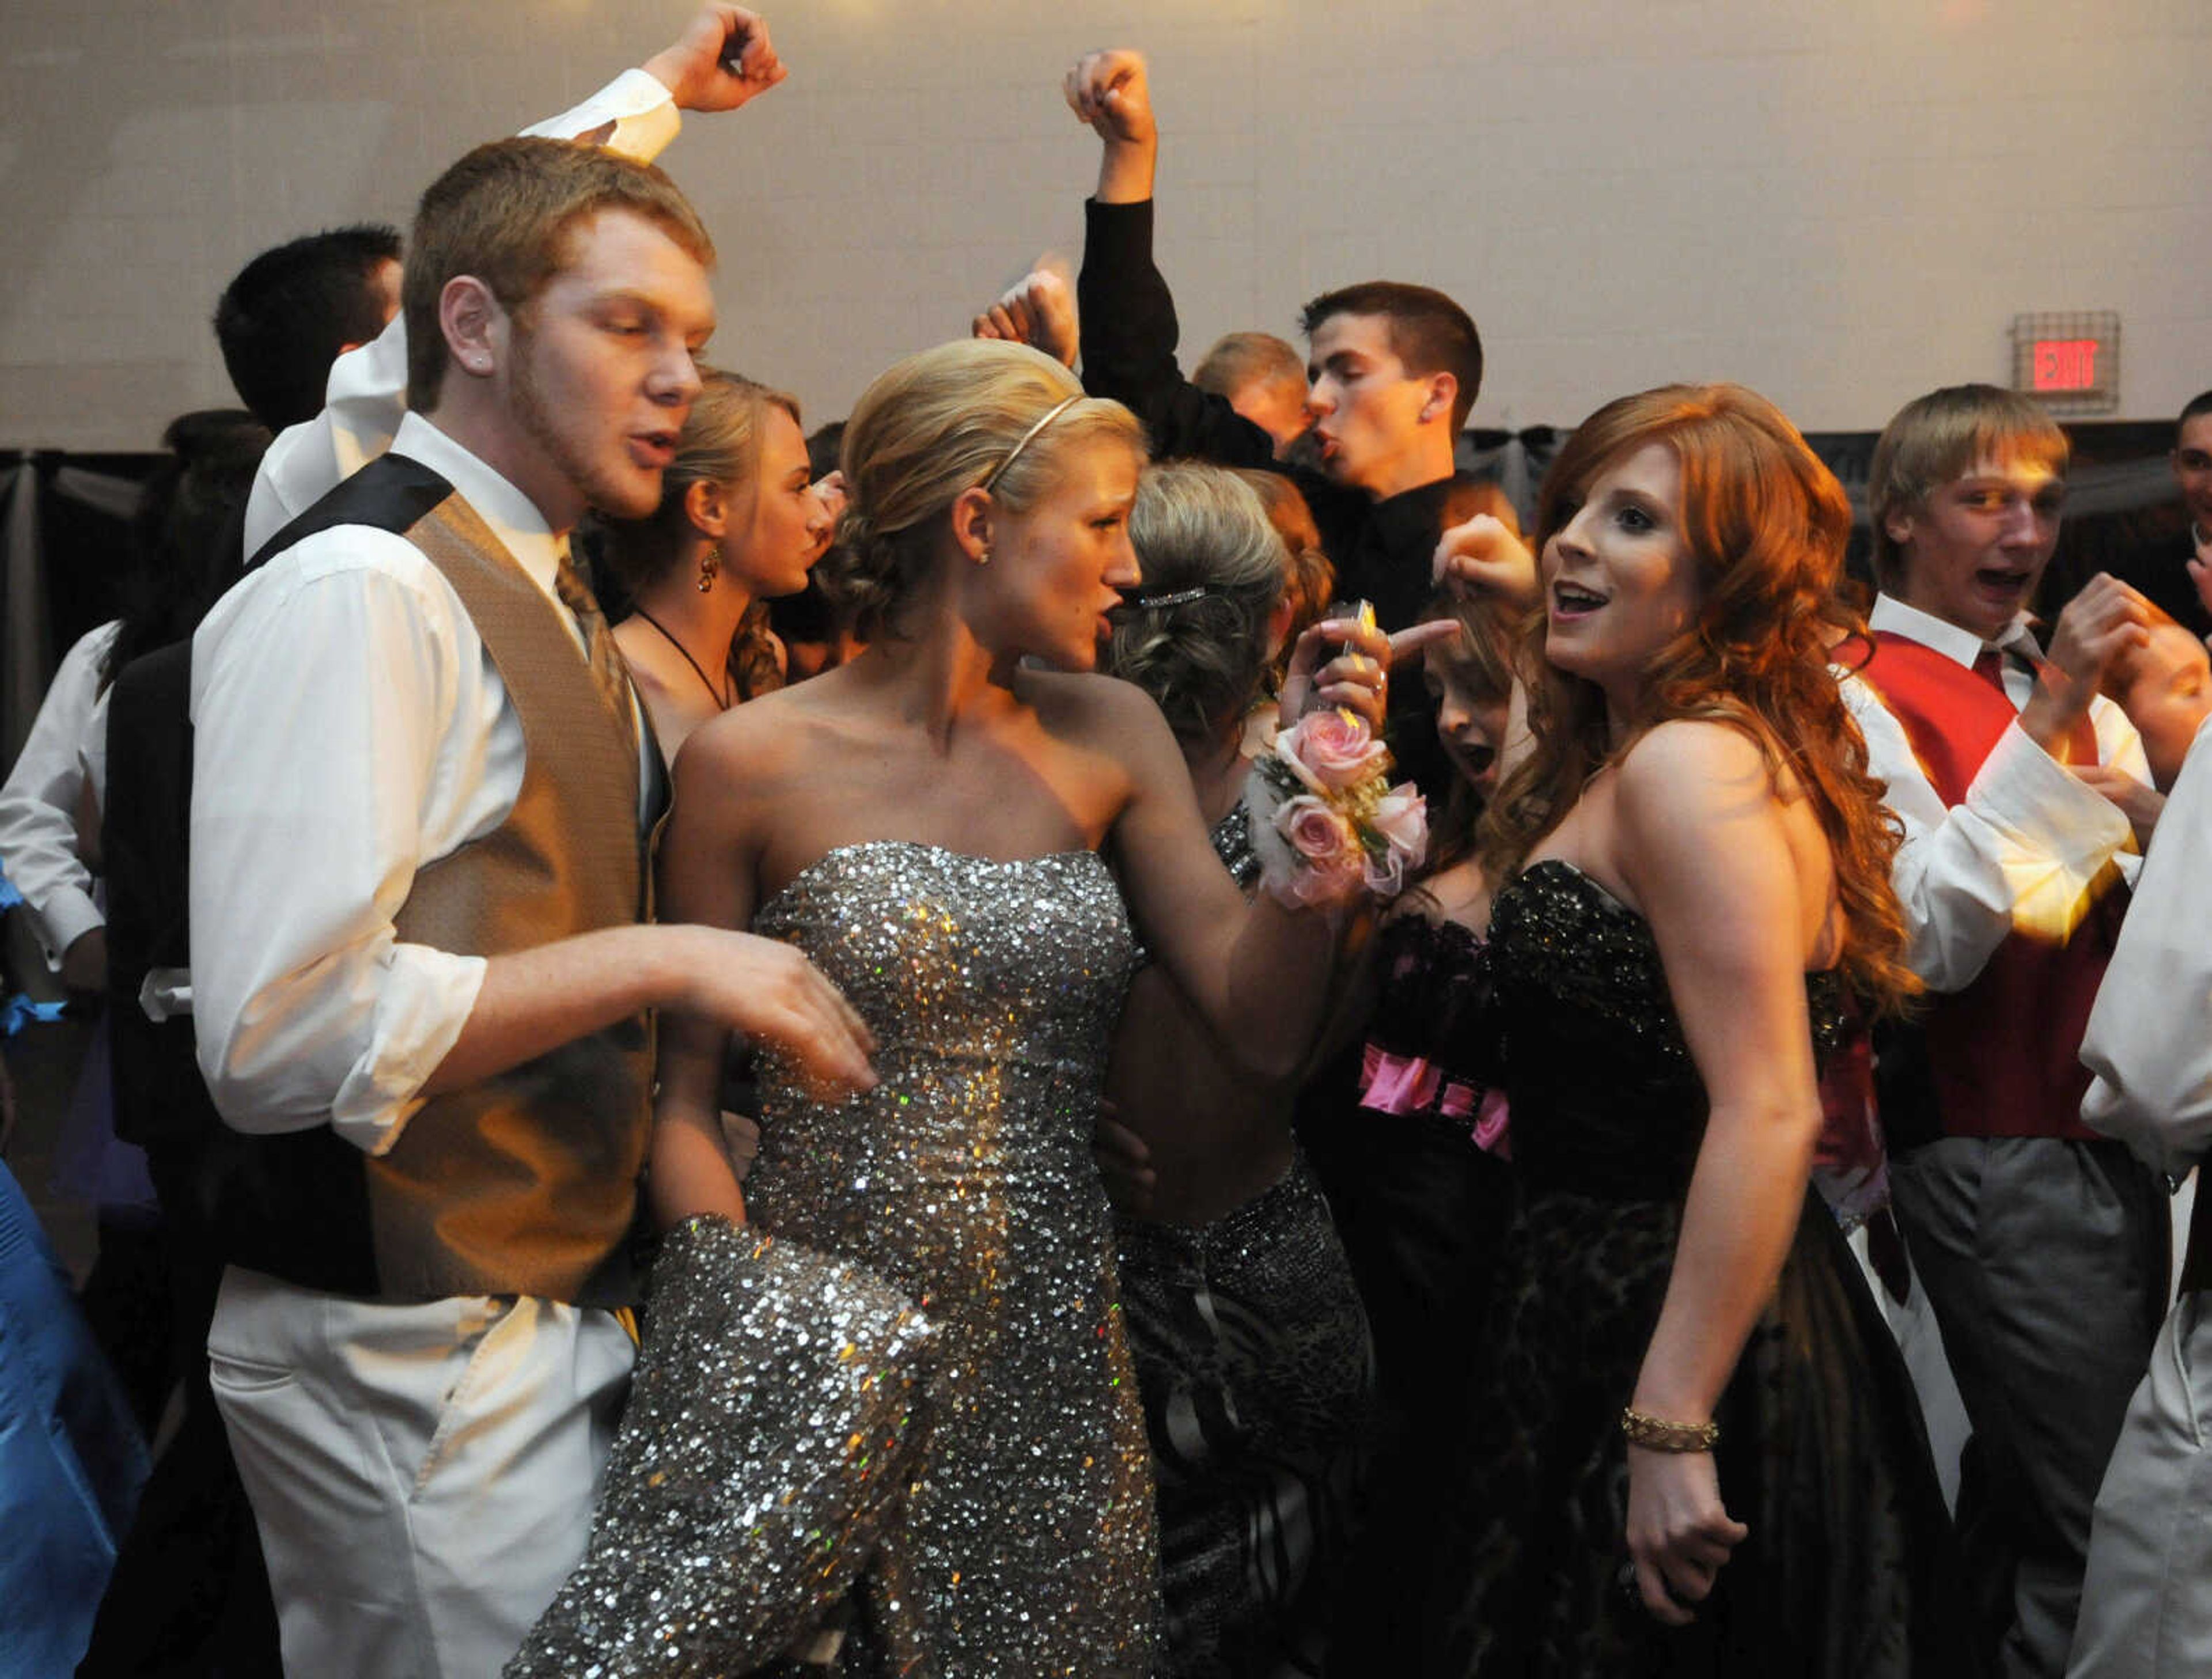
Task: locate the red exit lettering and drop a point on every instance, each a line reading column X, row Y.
column 2065, row 364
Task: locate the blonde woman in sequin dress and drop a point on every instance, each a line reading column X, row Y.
column 927, row 822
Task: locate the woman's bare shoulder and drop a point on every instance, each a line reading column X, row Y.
column 1079, row 701
column 1692, row 764
column 761, row 742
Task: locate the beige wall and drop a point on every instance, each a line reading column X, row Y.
column 1841, row 201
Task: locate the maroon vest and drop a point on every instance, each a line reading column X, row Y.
column 2005, row 1051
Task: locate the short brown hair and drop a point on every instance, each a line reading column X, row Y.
column 504, row 214
column 1471, row 494
column 1429, row 332
column 1936, row 438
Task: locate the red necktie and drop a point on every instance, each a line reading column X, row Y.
column 1988, row 664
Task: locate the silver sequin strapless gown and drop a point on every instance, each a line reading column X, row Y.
column 966, row 1178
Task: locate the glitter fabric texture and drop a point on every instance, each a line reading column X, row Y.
column 777, row 1413
column 966, row 1179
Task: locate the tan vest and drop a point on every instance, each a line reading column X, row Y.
column 527, row 1182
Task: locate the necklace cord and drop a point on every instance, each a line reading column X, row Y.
column 716, row 693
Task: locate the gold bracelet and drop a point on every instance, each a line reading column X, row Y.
column 1657, row 1434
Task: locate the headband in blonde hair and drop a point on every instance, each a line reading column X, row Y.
column 1014, row 453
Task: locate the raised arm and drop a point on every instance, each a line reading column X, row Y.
column 2025, row 845
column 1258, row 973
column 1038, row 310
column 1127, row 314
column 1702, row 845
column 723, row 59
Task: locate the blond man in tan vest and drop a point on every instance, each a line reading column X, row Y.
column 421, row 958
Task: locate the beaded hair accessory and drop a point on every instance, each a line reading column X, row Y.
column 1028, row 437
column 1143, row 601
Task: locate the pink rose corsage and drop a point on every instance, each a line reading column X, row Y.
column 1329, row 824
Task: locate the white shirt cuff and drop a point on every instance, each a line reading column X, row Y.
column 61, row 920
column 423, row 1000
column 2043, row 807
column 639, row 117
column 2105, row 1109
column 166, row 994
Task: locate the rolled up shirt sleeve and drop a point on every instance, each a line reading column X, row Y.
column 38, row 844
column 2149, row 1038
column 2020, row 850
column 322, row 692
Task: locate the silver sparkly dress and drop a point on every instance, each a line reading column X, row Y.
column 966, row 1179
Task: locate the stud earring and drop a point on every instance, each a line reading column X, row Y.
column 983, row 555
column 710, row 567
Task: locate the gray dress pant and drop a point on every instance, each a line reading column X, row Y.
column 2147, row 1599
column 2046, row 1263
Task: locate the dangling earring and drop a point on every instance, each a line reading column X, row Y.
column 710, row 567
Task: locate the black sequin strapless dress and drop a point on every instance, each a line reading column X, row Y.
column 1848, row 1570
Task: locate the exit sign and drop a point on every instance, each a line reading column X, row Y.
column 2065, row 364
column 2071, row 361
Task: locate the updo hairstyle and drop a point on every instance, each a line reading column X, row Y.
column 937, row 424
column 1201, row 534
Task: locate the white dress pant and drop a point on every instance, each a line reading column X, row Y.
column 423, row 1475
column 2147, row 1596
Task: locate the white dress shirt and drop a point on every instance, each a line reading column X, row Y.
column 2149, row 1038
column 64, row 755
column 367, row 390
column 2023, row 847
column 348, row 728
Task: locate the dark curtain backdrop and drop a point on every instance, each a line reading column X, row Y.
column 63, row 519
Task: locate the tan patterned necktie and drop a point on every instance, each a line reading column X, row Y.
column 609, row 674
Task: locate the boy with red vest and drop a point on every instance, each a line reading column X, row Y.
column 2019, row 789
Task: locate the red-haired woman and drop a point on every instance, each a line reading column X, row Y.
column 1693, row 1448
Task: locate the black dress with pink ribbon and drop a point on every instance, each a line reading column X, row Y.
column 1850, row 1567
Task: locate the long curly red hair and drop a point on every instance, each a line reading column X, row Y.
column 1767, row 523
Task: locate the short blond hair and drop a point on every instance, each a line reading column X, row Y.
column 1936, row 438
column 505, row 213
column 941, row 422
column 1239, row 360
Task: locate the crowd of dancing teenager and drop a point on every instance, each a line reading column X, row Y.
column 1095, row 1023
